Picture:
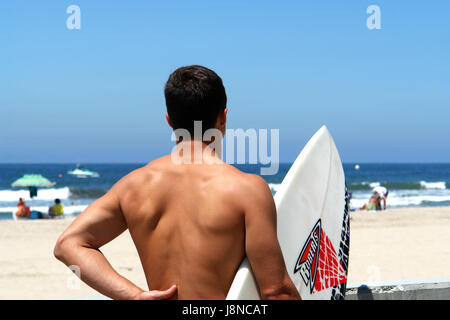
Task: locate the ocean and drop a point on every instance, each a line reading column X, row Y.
column 409, row 185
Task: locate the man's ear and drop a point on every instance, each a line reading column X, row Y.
column 223, row 117
column 168, row 120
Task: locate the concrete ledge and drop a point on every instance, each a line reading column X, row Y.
column 415, row 289
column 420, row 289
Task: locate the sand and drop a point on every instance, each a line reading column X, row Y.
column 400, row 244
column 28, row 269
column 412, row 243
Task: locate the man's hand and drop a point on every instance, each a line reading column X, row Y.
column 156, row 294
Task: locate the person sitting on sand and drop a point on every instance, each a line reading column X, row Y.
column 57, row 209
column 372, row 205
column 382, row 196
column 23, row 210
column 193, row 218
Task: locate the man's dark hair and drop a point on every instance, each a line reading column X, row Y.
column 194, row 93
column 57, row 201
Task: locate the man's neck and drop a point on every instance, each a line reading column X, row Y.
column 196, row 152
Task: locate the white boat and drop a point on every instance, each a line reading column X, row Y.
column 81, row 172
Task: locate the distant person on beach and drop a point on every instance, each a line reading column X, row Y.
column 382, row 193
column 372, row 205
column 57, row 209
column 192, row 221
column 23, row 210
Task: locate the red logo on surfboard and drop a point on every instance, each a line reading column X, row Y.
column 318, row 262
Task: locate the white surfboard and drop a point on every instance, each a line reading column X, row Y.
column 312, row 225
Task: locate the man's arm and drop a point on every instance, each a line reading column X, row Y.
column 262, row 247
column 79, row 245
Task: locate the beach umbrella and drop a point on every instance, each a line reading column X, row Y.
column 32, row 182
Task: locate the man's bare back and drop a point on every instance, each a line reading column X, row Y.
column 187, row 222
column 192, row 222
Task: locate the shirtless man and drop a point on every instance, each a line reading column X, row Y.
column 192, row 223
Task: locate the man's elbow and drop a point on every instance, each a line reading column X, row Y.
column 62, row 248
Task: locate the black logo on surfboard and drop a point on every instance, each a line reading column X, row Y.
column 309, row 257
column 319, row 264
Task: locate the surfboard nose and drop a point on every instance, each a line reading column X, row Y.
column 323, row 130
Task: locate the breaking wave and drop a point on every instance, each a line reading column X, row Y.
column 419, row 185
column 51, row 194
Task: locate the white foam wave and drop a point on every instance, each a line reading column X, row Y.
column 441, row 185
column 43, row 194
column 401, row 199
column 371, row 184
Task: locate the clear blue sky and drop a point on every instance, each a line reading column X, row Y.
column 96, row 94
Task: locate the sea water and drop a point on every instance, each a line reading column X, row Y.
column 409, row 185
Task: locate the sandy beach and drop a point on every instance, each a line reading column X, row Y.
column 410, row 243
column 28, row 269
column 400, row 244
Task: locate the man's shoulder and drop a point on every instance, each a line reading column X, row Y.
column 255, row 182
column 248, row 185
column 144, row 175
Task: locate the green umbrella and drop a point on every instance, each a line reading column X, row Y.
column 32, row 180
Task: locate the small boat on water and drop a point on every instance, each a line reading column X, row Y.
column 81, row 172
